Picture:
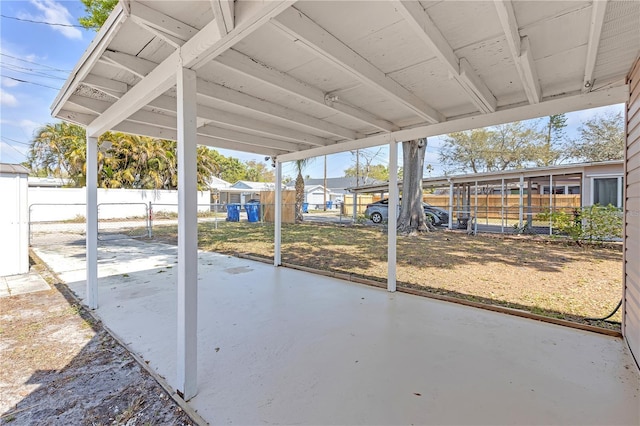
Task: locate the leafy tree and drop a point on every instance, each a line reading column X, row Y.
column 601, row 139
column 59, row 150
column 97, row 13
column 376, row 171
column 467, row 151
column 550, row 152
column 412, row 218
column 130, row 161
column 259, row 172
column 507, row 146
column 363, row 167
column 231, row 169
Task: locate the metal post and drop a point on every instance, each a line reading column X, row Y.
column 475, row 212
column 529, row 211
column 450, row 204
column 277, row 220
column 187, row 359
column 550, row 204
column 392, row 216
column 502, row 206
column 150, row 221
column 521, row 203
column 92, row 222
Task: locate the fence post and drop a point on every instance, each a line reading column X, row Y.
column 150, row 221
column 29, row 225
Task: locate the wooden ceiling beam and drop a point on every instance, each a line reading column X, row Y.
column 224, row 14
column 270, row 110
column 301, row 29
column 520, row 50
column 459, row 69
column 240, row 63
column 595, row 32
column 202, row 47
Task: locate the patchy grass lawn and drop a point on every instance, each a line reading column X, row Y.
column 545, row 277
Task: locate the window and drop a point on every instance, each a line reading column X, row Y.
column 607, row 190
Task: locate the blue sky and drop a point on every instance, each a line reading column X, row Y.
column 41, row 56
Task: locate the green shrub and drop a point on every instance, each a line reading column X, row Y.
column 594, row 223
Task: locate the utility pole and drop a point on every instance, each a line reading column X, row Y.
column 324, row 185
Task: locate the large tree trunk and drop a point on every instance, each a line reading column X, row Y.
column 299, row 197
column 412, row 218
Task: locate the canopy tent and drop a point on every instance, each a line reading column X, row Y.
column 293, row 80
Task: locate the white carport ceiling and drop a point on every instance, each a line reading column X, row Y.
column 306, row 78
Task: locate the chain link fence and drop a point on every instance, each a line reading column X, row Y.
column 64, row 223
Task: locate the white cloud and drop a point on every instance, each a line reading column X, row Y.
column 54, row 12
column 7, row 82
column 28, row 126
column 7, row 99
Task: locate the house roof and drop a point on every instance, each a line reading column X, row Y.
column 340, row 183
column 260, row 186
column 301, row 79
column 559, row 170
column 218, row 183
column 13, row 168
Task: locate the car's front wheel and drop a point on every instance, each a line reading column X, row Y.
column 376, row 217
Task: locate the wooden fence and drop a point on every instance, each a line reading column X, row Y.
column 495, row 207
column 267, row 201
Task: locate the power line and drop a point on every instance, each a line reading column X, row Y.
column 22, row 154
column 31, row 82
column 16, row 141
column 30, row 72
column 35, row 63
column 41, row 22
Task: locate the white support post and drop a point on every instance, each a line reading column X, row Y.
column 92, row 223
column 187, row 360
column 450, row 205
column 392, row 216
column 277, row 237
column 550, row 204
column 475, row 212
column 521, row 203
column 502, row 206
column 529, row 211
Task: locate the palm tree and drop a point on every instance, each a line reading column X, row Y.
column 300, row 166
column 59, row 150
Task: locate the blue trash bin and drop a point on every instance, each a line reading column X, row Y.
column 253, row 212
column 329, row 204
column 305, row 207
column 233, row 212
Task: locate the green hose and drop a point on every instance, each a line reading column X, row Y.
column 608, row 316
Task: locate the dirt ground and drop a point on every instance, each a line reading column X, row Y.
column 60, row 367
column 532, row 273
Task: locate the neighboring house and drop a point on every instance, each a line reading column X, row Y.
column 316, row 195
column 595, row 183
column 336, row 187
column 522, row 194
column 242, row 191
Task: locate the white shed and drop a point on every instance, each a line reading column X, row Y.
column 14, row 220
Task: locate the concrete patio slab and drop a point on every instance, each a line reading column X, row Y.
column 30, row 282
column 283, row 346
